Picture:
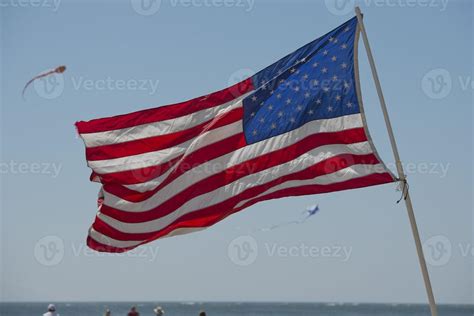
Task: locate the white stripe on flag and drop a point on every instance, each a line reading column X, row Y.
column 238, row 186
column 243, row 154
column 162, row 156
column 157, row 128
column 356, row 171
column 108, row 241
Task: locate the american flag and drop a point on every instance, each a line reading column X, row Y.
column 296, row 127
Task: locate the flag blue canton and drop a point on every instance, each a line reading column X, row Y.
column 315, row 82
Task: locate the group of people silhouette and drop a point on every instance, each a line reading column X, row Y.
column 133, row 311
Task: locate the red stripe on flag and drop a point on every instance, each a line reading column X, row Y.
column 159, row 142
column 229, row 175
column 166, row 112
column 213, row 214
column 137, row 175
column 192, row 160
column 322, row 168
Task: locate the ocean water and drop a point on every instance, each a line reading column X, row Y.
column 234, row 309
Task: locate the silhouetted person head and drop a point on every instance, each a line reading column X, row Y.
column 51, row 310
column 159, row 311
column 133, row 311
column 202, row 313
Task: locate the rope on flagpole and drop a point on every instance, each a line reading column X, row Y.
column 401, row 174
column 404, row 187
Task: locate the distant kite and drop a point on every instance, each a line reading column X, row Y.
column 58, row 70
column 310, row 211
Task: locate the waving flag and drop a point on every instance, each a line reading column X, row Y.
column 297, row 127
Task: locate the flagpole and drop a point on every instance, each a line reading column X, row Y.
column 401, row 174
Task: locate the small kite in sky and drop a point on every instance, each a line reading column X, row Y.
column 57, row 70
column 310, row 211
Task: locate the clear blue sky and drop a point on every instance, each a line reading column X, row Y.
column 184, row 50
